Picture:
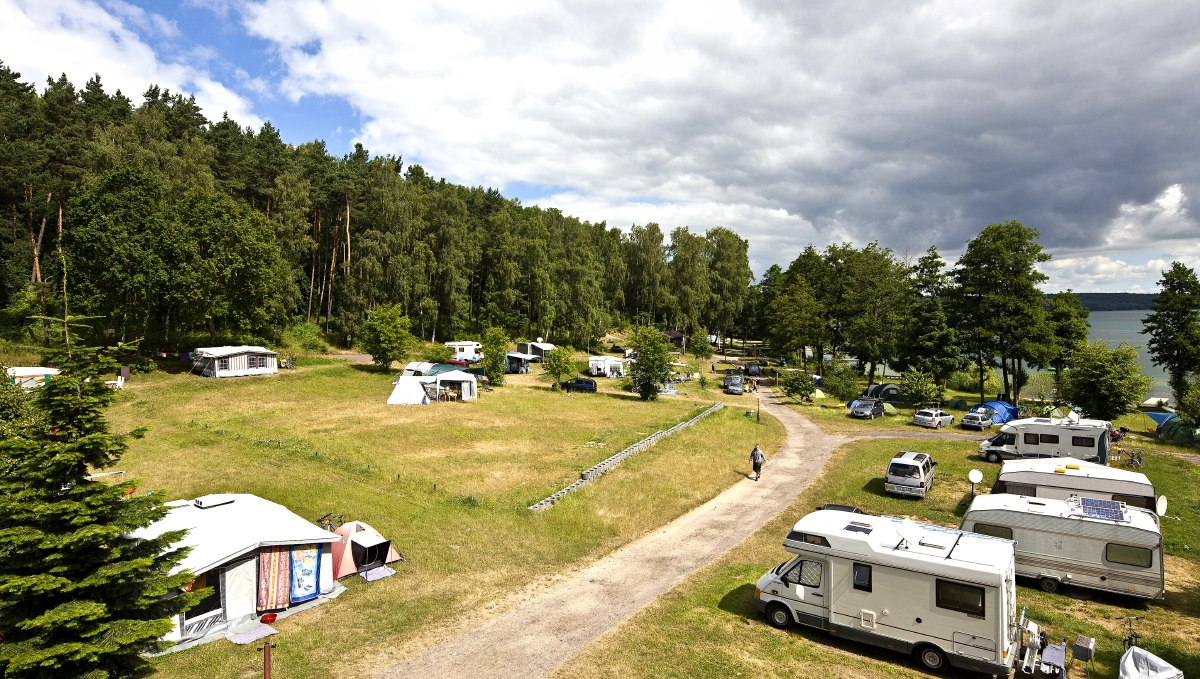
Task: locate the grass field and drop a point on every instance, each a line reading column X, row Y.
column 709, row 627
column 448, row 484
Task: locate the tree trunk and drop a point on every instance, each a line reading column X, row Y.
column 312, row 277
column 329, row 286
column 35, row 244
column 979, row 363
column 62, row 258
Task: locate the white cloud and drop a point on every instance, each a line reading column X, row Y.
column 45, row 38
column 1164, row 218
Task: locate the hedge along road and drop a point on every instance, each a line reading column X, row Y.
column 548, row 627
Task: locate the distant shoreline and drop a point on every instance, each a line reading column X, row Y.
column 1116, row 301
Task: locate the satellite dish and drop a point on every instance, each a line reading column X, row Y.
column 1161, row 505
column 539, row 340
column 974, row 476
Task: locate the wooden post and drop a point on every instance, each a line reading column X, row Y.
column 266, row 649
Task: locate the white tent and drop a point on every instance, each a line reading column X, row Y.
column 256, row 555
column 410, row 391
column 465, row 384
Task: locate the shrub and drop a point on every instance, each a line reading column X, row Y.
column 437, row 353
column 305, row 337
column 841, row 380
column 918, row 388
column 799, row 386
column 968, row 381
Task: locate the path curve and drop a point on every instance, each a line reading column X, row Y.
column 549, row 629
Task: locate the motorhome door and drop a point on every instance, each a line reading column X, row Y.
column 806, row 589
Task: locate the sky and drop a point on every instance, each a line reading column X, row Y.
column 907, row 123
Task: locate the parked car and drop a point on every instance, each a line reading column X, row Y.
column 867, row 409
column 753, row 370
column 933, row 418
column 734, row 384
column 910, row 474
column 579, row 384
column 979, row 421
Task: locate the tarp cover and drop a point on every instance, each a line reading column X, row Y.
column 1138, row 663
column 1001, row 411
column 1161, row 418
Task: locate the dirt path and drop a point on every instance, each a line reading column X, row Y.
column 553, row 625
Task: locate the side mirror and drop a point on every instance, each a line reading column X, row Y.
column 933, row 463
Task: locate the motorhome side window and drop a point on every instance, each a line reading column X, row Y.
column 1130, row 556
column 1049, row 438
column 807, row 573
column 862, row 577
column 1084, row 441
column 1031, row 439
column 994, row 531
column 956, row 596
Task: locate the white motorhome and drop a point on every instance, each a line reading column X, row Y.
column 471, row 352
column 1050, row 437
column 1060, row 479
column 1097, row 544
column 946, row 596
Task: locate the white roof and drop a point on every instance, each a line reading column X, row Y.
column 894, row 541
column 1135, row 517
column 1072, row 468
column 455, row 376
column 544, row 346
column 463, row 344
column 232, row 525
column 606, row 359
column 1066, row 422
column 415, row 367
column 517, row 354
column 21, row 372
column 221, row 352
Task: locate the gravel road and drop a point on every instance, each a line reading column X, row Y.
column 548, row 627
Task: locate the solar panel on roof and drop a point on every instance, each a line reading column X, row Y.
column 1102, row 509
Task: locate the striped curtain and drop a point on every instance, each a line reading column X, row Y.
column 274, row 577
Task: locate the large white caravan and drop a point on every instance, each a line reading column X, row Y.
column 1050, row 437
column 946, row 596
column 1060, row 479
column 1097, row 544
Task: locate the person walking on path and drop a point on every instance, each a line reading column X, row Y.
column 756, row 460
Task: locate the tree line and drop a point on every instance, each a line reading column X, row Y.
column 179, row 230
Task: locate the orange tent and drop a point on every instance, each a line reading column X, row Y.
column 361, row 549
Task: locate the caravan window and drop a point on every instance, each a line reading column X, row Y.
column 1049, row 438
column 222, row 364
column 862, row 577
column 1084, row 441
column 959, row 597
column 1031, row 439
column 807, row 573
column 994, row 531
column 1130, row 556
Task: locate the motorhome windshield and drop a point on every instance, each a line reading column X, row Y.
column 1003, row 439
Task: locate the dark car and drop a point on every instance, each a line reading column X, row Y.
column 867, row 409
column 753, row 370
column 579, row 384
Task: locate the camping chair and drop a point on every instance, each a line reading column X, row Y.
column 118, row 383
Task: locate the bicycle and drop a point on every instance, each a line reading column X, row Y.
column 1134, row 459
column 1131, row 639
column 331, row 521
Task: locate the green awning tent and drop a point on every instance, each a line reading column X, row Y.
column 1175, row 430
column 889, row 409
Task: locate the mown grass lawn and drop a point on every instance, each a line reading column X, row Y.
column 448, row 484
column 709, row 627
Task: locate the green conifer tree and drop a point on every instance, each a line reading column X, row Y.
column 79, row 597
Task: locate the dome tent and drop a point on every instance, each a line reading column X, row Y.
column 1175, row 430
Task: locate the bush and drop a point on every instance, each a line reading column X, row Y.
column 918, row 388
column 799, row 386
column 968, row 381
column 1189, row 406
column 841, row 380
column 437, row 353
column 304, row 337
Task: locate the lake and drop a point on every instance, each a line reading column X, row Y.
column 1126, row 326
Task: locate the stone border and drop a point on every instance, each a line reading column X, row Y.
column 596, row 471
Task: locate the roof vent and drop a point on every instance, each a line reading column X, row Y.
column 210, row 501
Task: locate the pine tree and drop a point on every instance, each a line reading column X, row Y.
column 79, row 597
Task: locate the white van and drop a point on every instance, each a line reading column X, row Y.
column 909, row 474
column 943, row 595
column 1050, row 437
column 471, row 352
column 1097, row 544
column 1060, row 479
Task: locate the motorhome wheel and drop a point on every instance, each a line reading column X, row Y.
column 993, row 457
column 778, row 616
column 931, row 658
column 1049, row 585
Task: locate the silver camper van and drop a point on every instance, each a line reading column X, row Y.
column 946, row 597
column 1060, row 479
column 910, row 474
column 1049, row 437
column 1086, row 542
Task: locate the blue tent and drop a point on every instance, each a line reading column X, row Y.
column 1160, row 418
column 1001, row 411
